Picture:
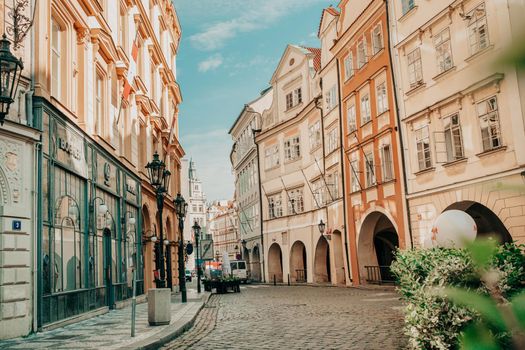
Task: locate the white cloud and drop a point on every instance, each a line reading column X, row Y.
column 254, row 15
column 211, row 63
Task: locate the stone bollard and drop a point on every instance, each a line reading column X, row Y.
column 159, row 306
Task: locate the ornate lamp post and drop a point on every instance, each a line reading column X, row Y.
column 10, row 73
column 160, row 179
column 180, row 208
column 322, row 227
column 197, row 233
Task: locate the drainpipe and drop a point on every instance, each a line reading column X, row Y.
column 341, row 161
column 398, row 129
column 261, row 222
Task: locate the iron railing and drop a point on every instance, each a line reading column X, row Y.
column 300, row 276
column 379, row 275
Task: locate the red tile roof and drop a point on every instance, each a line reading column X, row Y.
column 316, row 58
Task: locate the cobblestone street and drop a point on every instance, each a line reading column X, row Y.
column 267, row 317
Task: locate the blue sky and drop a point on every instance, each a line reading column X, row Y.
column 228, row 53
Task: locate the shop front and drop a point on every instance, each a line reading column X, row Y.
column 89, row 243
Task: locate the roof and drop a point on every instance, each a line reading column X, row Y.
column 331, row 11
column 316, row 58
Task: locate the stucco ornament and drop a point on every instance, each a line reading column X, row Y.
column 452, row 229
column 10, row 166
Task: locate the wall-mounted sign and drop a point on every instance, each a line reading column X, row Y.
column 131, row 187
column 70, row 148
column 17, row 225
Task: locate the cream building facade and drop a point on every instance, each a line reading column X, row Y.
column 73, row 252
column 462, row 114
column 223, row 226
column 245, row 164
column 291, row 156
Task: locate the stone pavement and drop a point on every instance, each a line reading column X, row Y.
column 112, row 330
column 268, row 317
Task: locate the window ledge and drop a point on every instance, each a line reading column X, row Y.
column 293, row 107
column 424, row 171
column 372, row 187
column 272, row 168
column 491, row 151
column 455, row 162
column 479, row 53
column 290, row 161
column 353, row 132
column 388, row 182
column 383, row 113
column 315, row 148
column 348, row 78
column 408, row 13
column 379, row 52
column 416, row 88
column 368, row 122
column 442, row 74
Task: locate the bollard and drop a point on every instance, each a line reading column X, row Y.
column 274, row 281
column 288, row 280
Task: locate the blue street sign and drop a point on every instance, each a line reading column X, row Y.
column 17, row 225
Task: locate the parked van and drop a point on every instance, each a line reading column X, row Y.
column 238, row 269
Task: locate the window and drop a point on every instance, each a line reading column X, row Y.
column 271, row 157
column 318, row 192
column 407, row 5
column 292, row 149
column 477, row 29
column 331, row 98
column 382, row 100
column 453, row 140
column 333, row 140
column 354, row 169
column 332, row 180
column 365, row 109
column 423, row 148
column 275, row 206
column 352, row 125
column 194, row 208
column 361, row 53
column 294, row 98
column 443, row 51
column 123, row 23
column 296, row 201
column 386, row 162
column 349, row 66
column 314, row 134
column 489, row 123
column 377, row 39
column 56, row 44
column 369, row 169
column 415, row 73
column 99, row 104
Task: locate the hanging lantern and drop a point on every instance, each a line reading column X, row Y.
column 10, row 73
column 156, row 171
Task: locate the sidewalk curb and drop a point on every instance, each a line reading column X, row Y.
column 175, row 330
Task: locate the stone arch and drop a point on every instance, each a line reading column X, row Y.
column 377, row 243
column 298, row 265
column 487, row 222
column 322, row 273
column 338, row 253
column 256, row 263
column 275, row 263
column 4, row 189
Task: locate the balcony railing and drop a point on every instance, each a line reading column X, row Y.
column 379, row 275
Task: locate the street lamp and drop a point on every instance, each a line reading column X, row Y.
column 180, row 209
column 322, row 227
column 197, row 233
column 159, row 178
column 129, row 219
column 10, row 73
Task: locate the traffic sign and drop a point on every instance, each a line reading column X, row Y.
column 206, row 252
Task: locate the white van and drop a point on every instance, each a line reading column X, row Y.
column 238, row 269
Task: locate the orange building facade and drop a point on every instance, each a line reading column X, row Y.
column 373, row 182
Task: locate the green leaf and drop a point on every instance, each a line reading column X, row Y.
column 518, row 306
column 483, row 304
column 478, row 337
column 482, row 251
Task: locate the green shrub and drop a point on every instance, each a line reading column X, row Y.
column 431, row 320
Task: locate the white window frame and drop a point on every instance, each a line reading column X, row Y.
column 318, row 192
column 361, row 53
column 443, row 47
column 298, row 199
column 352, row 118
column 56, row 55
column 490, row 127
column 333, row 140
column 377, row 39
column 387, row 166
column 415, row 69
column 314, row 135
column 423, row 151
column 355, row 184
column 292, row 149
column 331, row 98
column 271, row 157
column 381, row 98
column 453, row 137
column 407, row 5
column 478, row 35
column 275, row 206
column 349, row 66
column 370, row 174
column 366, row 113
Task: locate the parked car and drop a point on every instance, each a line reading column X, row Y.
column 238, row 269
column 188, row 275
